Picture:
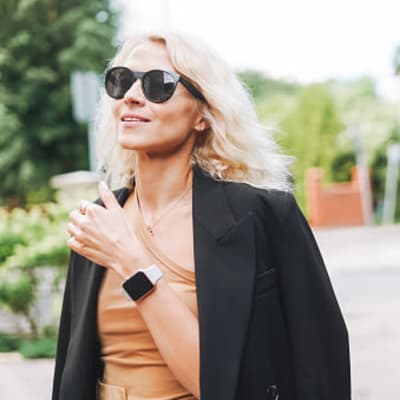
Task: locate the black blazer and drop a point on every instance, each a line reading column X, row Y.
column 270, row 325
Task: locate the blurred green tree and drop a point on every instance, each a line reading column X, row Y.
column 378, row 172
column 31, row 240
column 261, row 86
column 349, row 101
column 342, row 165
column 42, row 42
column 358, row 102
column 310, row 132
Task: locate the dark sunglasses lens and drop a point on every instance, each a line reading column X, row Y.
column 158, row 86
column 118, row 81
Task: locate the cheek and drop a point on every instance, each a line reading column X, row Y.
column 115, row 109
column 180, row 122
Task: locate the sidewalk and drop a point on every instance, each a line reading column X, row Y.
column 372, row 247
column 25, row 379
column 364, row 265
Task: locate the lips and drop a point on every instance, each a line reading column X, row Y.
column 133, row 118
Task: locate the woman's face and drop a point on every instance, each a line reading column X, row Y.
column 157, row 129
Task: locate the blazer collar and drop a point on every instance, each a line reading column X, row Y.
column 210, row 206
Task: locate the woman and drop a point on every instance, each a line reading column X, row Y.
column 200, row 278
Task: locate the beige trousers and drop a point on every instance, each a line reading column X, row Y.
column 110, row 392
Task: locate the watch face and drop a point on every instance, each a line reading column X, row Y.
column 138, row 285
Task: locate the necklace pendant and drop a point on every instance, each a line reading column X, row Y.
column 150, row 230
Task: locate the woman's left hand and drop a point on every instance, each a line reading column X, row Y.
column 105, row 236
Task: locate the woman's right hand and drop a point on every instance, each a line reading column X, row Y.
column 106, row 236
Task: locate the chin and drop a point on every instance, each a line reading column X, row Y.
column 131, row 145
column 131, row 141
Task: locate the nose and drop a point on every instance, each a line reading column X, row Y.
column 135, row 93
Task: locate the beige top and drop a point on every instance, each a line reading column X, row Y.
column 131, row 358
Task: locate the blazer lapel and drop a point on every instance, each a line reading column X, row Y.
column 224, row 268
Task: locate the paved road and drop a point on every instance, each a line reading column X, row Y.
column 370, row 301
column 23, row 380
column 361, row 248
column 364, row 264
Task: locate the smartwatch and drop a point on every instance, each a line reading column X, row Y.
column 142, row 282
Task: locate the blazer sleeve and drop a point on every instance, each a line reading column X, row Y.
column 64, row 332
column 317, row 333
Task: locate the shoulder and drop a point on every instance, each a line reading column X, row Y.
column 267, row 203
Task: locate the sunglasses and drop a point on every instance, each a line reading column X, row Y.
column 157, row 85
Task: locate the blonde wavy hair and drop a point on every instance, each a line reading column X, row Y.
column 235, row 147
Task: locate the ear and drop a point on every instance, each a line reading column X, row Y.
column 201, row 124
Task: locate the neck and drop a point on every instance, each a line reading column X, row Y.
column 159, row 182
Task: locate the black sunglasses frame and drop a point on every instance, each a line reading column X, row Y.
column 134, row 75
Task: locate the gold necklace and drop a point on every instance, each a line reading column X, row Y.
column 150, row 225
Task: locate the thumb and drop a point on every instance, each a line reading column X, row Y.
column 107, row 196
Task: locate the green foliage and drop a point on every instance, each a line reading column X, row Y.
column 378, row 172
column 41, row 347
column 342, row 164
column 30, row 239
column 44, row 347
column 8, row 242
column 378, row 122
column 312, row 123
column 19, row 295
column 46, row 41
column 261, row 86
column 9, row 342
column 358, row 103
column 273, row 110
column 37, row 235
column 309, row 132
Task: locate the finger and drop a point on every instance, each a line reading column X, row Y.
column 75, row 244
column 108, row 197
column 83, row 205
column 91, row 254
column 77, row 218
column 92, row 209
column 75, row 232
column 96, row 256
